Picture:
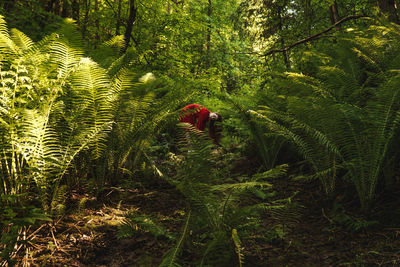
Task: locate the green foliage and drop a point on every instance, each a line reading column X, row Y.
column 238, row 247
column 275, row 234
column 62, row 115
column 15, row 217
column 35, row 152
column 217, row 216
column 134, row 224
column 31, row 17
column 89, row 119
column 171, row 256
column 345, row 119
column 349, row 222
column 57, row 106
column 268, row 145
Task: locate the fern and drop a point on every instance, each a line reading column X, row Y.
column 139, row 117
column 65, row 57
column 268, row 148
column 134, row 224
column 351, row 223
column 239, row 186
column 42, row 137
column 215, row 204
column 171, row 257
column 21, row 40
column 238, row 248
column 351, row 124
column 92, row 95
column 109, row 51
column 58, row 205
column 7, row 46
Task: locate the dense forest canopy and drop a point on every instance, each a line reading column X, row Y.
column 90, row 99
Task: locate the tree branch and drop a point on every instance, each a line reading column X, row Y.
column 112, row 7
column 313, row 37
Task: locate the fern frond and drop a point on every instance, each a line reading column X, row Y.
column 171, row 257
column 117, row 42
column 109, row 51
column 21, row 40
column 58, row 200
column 7, row 46
column 256, row 131
column 93, row 98
column 219, row 249
column 303, row 146
column 123, row 62
column 133, row 224
column 238, row 247
column 70, row 35
column 289, row 214
column 239, row 186
column 65, row 57
column 275, row 172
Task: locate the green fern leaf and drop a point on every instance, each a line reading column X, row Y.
column 21, row 40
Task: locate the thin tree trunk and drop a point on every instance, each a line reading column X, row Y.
column 284, row 53
column 86, row 18
column 333, row 11
column 57, row 7
column 208, row 41
column 50, row 5
column 9, row 5
column 97, row 21
column 389, row 9
column 118, row 25
column 177, row 3
column 75, row 10
column 65, row 8
column 129, row 23
column 308, row 15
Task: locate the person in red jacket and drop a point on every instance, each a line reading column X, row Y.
column 199, row 116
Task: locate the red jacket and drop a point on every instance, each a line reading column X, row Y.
column 194, row 112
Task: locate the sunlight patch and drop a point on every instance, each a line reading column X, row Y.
column 148, row 77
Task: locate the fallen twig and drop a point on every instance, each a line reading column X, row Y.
column 36, row 231
column 54, row 239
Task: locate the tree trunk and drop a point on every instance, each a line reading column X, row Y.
column 9, row 5
column 308, row 15
column 57, row 7
column 208, row 41
column 284, row 53
column 168, row 7
column 75, row 10
column 86, row 18
column 333, row 11
column 118, row 24
column 389, row 9
column 50, row 5
column 129, row 23
column 97, row 21
column 65, row 9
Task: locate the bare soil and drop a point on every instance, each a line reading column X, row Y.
column 311, row 238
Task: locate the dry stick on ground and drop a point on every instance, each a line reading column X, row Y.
column 55, row 241
column 315, row 36
column 36, row 231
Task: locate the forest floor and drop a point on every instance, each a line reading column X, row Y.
column 313, row 238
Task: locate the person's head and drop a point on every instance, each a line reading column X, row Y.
column 215, row 116
column 215, row 130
